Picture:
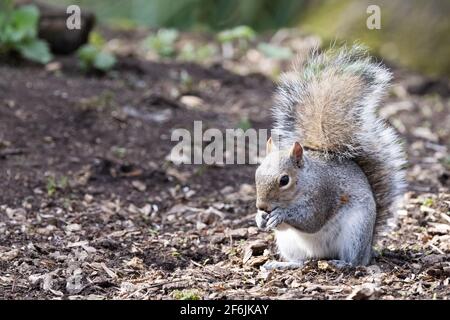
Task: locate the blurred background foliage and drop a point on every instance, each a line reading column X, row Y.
column 414, row 33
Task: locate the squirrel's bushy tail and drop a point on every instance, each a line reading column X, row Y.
column 328, row 103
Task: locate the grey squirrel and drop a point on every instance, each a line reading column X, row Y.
column 333, row 169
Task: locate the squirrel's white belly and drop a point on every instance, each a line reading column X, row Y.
column 295, row 245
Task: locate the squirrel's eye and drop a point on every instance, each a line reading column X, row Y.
column 284, row 180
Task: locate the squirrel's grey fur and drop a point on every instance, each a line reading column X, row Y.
column 347, row 175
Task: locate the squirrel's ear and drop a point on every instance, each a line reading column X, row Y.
column 269, row 146
column 297, row 152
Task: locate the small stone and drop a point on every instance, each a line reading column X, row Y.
column 425, row 133
column 126, row 287
column 191, row 101
column 138, row 185
column 364, row 292
column 227, row 190
column 323, row 265
column 208, row 217
column 18, row 214
column 9, row 255
column 218, row 238
column 252, row 231
column 88, row 198
column 47, row 230
column 247, row 189
column 53, row 66
column 257, row 261
column 73, row 227
column 438, row 228
column 200, row 225
column 240, row 233
column 135, row 263
column 11, row 104
column 146, row 210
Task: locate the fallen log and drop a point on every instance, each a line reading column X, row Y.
column 53, row 27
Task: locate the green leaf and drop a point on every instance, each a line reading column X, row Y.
column 35, row 50
column 275, row 52
column 240, row 32
column 168, row 36
column 188, row 52
column 87, row 53
column 191, row 53
column 163, row 43
column 24, row 22
column 104, row 61
column 6, row 5
column 205, row 52
column 92, row 57
column 96, row 39
column 245, row 124
column 18, row 32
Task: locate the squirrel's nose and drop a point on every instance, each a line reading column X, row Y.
column 263, row 206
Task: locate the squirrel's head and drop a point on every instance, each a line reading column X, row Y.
column 277, row 176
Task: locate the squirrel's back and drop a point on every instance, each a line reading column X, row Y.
column 328, row 103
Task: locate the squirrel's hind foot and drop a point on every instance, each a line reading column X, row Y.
column 281, row 265
column 340, row 264
column 286, row 265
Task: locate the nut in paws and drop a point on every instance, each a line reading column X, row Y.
column 261, row 219
column 274, row 219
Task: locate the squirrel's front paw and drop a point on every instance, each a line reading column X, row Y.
column 261, row 219
column 274, row 218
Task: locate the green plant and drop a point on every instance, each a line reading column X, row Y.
column 18, row 32
column 238, row 37
column 93, row 55
column 54, row 184
column 119, row 152
column 275, row 52
column 175, row 253
column 51, row 186
column 99, row 102
column 186, row 295
column 191, row 53
column 446, row 161
column 428, row 202
column 163, row 42
column 240, row 33
column 153, row 232
column 186, row 81
column 244, row 124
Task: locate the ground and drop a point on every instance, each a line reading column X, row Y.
column 91, row 207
